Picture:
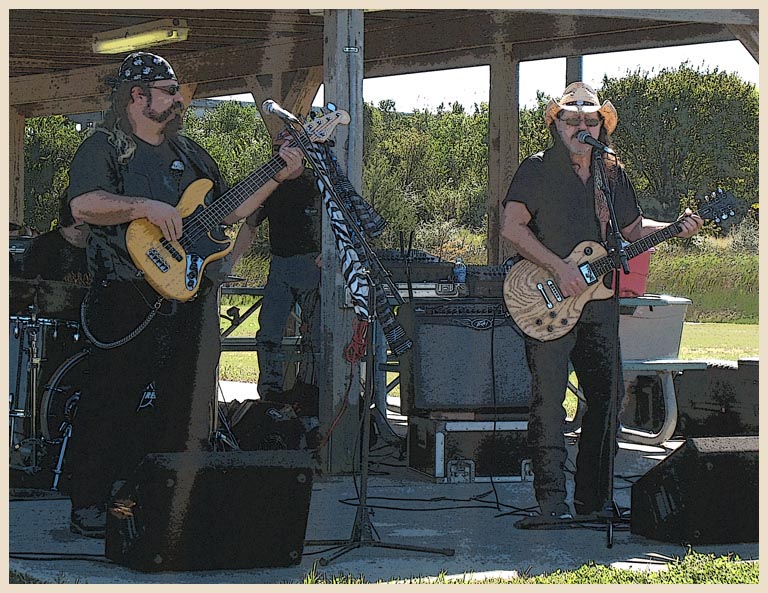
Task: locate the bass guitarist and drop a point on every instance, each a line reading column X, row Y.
column 553, row 203
column 153, row 369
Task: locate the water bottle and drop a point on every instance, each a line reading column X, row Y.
column 459, row 271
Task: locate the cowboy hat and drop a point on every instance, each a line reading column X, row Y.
column 580, row 97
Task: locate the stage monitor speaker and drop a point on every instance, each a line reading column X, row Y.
column 721, row 400
column 705, row 492
column 209, row 511
column 465, row 357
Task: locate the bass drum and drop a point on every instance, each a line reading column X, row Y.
column 61, row 395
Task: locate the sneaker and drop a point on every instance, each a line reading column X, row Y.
column 89, row 522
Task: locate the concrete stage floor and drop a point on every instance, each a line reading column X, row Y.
column 475, row 519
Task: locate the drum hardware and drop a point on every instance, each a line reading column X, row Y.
column 66, row 432
column 37, row 344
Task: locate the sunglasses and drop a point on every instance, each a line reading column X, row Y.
column 171, row 90
column 574, row 121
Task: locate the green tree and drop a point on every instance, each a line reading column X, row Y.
column 684, row 132
column 234, row 135
column 534, row 134
column 50, row 144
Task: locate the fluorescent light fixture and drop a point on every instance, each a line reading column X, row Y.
column 140, row 36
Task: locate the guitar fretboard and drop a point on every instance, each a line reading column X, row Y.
column 206, row 219
column 607, row 263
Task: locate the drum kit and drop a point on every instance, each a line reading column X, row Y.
column 48, row 368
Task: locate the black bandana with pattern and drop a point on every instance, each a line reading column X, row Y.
column 146, row 67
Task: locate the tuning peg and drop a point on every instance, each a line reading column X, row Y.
column 331, row 107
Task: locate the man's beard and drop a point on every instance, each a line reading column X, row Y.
column 171, row 117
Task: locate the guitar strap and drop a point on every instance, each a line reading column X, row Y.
column 602, row 212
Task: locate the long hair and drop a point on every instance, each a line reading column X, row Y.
column 115, row 123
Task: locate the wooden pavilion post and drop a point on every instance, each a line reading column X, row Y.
column 503, row 142
column 16, row 166
column 343, row 60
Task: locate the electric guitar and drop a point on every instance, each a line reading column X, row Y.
column 175, row 268
column 535, row 302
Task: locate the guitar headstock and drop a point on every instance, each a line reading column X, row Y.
column 718, row 206
column 320, row 128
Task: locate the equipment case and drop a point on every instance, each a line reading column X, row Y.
column 453, row 451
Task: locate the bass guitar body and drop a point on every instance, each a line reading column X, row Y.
column 175, row 268
column 535, row 303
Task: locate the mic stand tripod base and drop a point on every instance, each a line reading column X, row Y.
column 362, row 535
column 362, row 530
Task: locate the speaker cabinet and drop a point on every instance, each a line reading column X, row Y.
column 722, row 400
column 207, row 511
column 465, row 357
column 706, row 492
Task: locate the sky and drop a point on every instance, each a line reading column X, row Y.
column 470, row 85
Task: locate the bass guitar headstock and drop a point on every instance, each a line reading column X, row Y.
column 322, row 124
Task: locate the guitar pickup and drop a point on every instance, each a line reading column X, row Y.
column 157, row 259
column 555, row 291
column 172, row 250
column 543, row 293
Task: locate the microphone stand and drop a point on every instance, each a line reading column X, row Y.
column 362, row 529
column 616, row 249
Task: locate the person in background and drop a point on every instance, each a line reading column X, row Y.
column 294, row 215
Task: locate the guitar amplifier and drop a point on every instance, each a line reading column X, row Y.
column 487, row 281
column 424, row 266
column 466, row 356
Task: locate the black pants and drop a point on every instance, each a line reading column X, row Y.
column 174, row 358
column 592, row 347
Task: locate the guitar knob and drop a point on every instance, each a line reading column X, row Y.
column 539, row 322
column 588, row 251
column 564, row 321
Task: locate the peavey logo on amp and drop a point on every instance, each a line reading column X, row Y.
column 479, row 323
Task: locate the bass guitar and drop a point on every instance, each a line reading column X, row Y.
column 175, row 268
column 536, row 304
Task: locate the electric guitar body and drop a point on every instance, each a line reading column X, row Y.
column 534, row 300
column 172, row 270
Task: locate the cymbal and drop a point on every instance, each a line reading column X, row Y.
column 52, row 298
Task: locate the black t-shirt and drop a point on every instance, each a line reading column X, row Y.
column 562, row 208
column 158, row 172
column 294, row 215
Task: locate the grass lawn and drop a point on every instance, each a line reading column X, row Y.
column 724, row 341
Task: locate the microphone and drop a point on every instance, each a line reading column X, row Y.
column 585, row 138
column 271, row 107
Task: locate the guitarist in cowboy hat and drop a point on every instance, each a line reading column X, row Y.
column 554, row 203
column 137, row 166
